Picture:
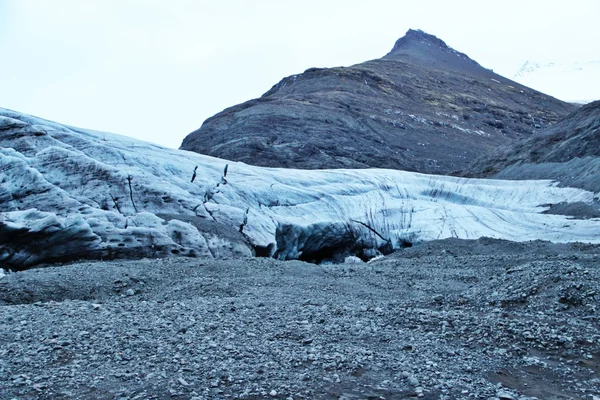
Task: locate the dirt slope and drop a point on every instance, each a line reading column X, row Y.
column 568, row 152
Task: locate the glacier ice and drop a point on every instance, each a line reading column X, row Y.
column 70, row 193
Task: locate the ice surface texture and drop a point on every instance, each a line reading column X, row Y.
column 68, row 193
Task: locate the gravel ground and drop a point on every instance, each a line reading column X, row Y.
column 445, row 320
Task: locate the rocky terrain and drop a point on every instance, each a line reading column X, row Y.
column 444, row 320
column 568, row 152
column 423, row 107
column 162, row 274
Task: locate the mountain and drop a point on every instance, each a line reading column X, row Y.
column 572, row 82
column 68, row 193
column 423, row 107
column 568, row 152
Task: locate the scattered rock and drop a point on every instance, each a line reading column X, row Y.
column 412, row 381
column 309, row 331
column 503, row 395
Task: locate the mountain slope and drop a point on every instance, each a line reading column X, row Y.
column 68, row 193
column 423, row 107
column 568, row 152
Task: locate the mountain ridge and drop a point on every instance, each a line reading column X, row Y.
column 423, row 107
column 568, row 152
column 417, row 42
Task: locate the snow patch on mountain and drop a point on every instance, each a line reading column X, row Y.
column 69, row 193
column 574, row 82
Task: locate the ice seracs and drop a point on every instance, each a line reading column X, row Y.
column 69, row 193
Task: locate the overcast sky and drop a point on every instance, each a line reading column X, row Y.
column 156, row 70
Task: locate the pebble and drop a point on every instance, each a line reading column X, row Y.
column 504, row 395
column 183, row 382
column 413, row 381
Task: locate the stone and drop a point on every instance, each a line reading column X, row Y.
column 504, row 395
column 183, row 382
column 412, row 381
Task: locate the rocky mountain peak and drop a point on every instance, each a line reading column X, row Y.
column 423, row 48
column 417, row 36
column 423, row 107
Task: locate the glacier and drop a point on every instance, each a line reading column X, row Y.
column 68, row 193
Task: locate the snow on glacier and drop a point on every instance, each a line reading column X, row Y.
column 72, row 193
column 575, row 82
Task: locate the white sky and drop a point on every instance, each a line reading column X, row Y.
column 155, row 70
